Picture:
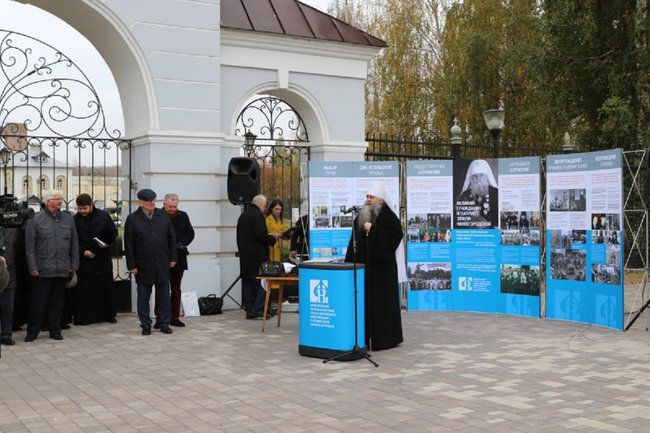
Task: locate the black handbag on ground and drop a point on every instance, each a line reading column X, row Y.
column 210, row 304
column 271, row 269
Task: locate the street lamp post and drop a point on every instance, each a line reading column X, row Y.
column 494, row 120
column 5, row 155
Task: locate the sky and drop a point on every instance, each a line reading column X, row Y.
column 318, row 4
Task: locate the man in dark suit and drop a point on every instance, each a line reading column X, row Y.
column 253, row 242
column 150, row 245
column 184, row 236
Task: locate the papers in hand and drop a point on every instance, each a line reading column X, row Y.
column 100, row 242
column 289, row 232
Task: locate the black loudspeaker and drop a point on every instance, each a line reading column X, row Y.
column 243, row 180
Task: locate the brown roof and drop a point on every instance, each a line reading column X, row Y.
column 291, row 18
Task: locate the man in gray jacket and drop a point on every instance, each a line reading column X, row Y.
column 52, row 253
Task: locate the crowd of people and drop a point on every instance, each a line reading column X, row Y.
column 62, row 267
column 69, row 266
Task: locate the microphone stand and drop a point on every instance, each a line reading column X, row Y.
column 356, row 350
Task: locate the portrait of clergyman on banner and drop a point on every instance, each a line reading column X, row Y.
column 476, row 192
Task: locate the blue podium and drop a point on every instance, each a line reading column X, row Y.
column 327, row 310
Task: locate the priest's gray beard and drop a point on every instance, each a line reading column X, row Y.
column 479, row 187
column 368, row 214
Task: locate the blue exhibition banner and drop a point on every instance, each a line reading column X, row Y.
column 473, row 235
column 584, row 238
column 334, row 187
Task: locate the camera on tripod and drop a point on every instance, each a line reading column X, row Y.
column 14, row 214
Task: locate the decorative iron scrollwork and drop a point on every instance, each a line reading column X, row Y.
column 271, row 119
column 46, row 92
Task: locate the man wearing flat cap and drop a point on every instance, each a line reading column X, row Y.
column 150, row 245
column 378, row 234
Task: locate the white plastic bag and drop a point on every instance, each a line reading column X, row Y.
column 190, row 303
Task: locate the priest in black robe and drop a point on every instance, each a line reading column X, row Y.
column 378, row 232
column 92, row 297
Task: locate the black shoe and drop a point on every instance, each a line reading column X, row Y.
column 7, row 341
column 156, row 325
column 165, row 329
column 79, row 324
column 111, row 320
column 146, row 330
column 253, row 316
column 30, row 338
column 56, row 337
column 178, row 323
column 65, row 326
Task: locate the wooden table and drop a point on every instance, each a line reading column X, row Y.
column 279, row 282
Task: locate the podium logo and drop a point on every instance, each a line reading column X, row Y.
column 318, row 291
column 465, row 283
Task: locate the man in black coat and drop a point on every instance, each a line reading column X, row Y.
column 150, row 246
column 253, row 242
column 184, row 236
column 378, row 234
column 92, row 297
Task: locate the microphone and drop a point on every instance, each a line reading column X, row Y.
column 352, row 209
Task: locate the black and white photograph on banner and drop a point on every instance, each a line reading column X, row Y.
column 321, row 217
column 346, row 221
column 561, row 239
column 439, row 220
column 530, row 237
column 429, row 276
column 611, row 237
column 577, row 200
column 598, row 236
column 509, row 220
column 520, row 279
column 558, row 200
column 578, row 236
column 605, row 274
column 416, row 221
column 605, row 221
column 571, row 200
column 476, row 190
column 568, row 264
column 613, row 255
column 535, row 218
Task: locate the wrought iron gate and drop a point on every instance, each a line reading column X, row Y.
column 275, row 135
column 54, row 134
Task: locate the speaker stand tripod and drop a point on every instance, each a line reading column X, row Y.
column 227, row 292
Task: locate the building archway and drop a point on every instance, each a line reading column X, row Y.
column 276, row 136
column 97, row 23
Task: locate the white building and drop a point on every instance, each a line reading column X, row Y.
column 185, row 70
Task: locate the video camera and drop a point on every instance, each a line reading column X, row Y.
column 12, row 213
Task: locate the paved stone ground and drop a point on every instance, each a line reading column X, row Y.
column 456, row 372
